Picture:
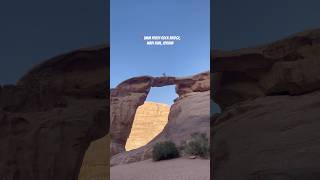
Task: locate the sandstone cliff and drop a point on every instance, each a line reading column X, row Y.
column 51, row 116
column 149, row 121
column 95, row 165
column 190, row 112
column 269, row 124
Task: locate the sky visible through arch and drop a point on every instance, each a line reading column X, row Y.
column 130, row 56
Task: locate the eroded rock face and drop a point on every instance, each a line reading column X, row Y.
column 51, row 116
column 273, row 137
column 196, row 83
column 270, row 97
column 289, row 66
column 189, row 113
column 125, row 100
column 149, row 121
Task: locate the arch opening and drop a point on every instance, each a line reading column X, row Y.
column 151, row 117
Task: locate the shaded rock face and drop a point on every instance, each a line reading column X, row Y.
column 189, row 113
column 125, row 100
column 149, row 121
column 270, row 99
column 51, row 116
column 289, row 66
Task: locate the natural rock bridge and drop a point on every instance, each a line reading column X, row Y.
column 190, row 108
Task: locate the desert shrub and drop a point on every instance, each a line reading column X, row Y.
column 197, row 145
column 164, row 150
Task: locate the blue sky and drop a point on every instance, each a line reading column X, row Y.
column 131, row 20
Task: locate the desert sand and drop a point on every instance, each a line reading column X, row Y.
column 176, row 169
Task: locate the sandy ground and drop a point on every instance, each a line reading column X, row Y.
column 177, row 169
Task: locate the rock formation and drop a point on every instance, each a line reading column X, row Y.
column 96, row 161
column 270, row 97
column 50, row 117
column 190, row 112
column 289, row 66
column 149, row 121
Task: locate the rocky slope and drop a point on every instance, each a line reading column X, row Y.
column 149, row 121
column 190, row 112
column 270, row 100
column 51, row 116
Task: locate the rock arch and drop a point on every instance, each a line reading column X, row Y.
column 50, row 117
column 130, row 94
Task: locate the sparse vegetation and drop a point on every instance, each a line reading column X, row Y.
column 165, row 150
column 197, row 145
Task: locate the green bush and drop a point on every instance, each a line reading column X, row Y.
column 164, row 150
column 197, row 145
